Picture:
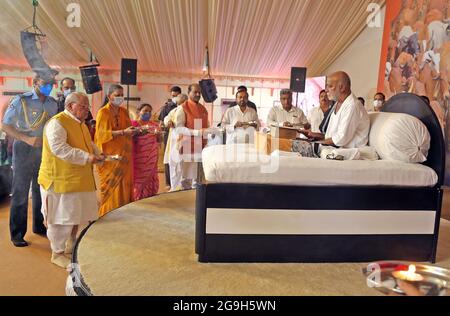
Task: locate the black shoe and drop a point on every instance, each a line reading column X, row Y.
column 19, row 243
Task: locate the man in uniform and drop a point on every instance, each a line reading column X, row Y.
column 24, row 121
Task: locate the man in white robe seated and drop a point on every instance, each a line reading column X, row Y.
column 287, row 115
column 349, row 122
column 241, row 121
column 66, row 177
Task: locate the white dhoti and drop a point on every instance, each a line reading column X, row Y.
column 58, row 236
column 175, row 175
column 63, row 211
column 189, row 172
column 173, row 159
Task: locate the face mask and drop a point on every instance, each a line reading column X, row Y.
column 174, row 100
column 117, row 101
column 376, row 103
column 66, row 92
column 46, row 89
column 146, row 116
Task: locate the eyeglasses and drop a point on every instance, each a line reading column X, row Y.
column 86, row 106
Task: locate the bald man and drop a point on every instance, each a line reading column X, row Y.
column 66, row 177
column 194, row 117
column 349, row 122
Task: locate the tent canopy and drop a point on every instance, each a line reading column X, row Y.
column 255, row 38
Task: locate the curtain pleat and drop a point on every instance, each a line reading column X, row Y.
column 256, row 38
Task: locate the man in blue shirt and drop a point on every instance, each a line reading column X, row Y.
column 24, row 120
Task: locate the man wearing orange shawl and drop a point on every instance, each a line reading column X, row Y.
column 113, row 138
column 194, row 117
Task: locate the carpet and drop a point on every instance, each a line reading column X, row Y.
column 147, row 248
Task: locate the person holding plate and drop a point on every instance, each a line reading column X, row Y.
column 145, row 154
column 66, row 177
column 113, row 136
column 240, row 122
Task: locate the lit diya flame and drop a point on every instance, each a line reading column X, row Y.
column 409, row 275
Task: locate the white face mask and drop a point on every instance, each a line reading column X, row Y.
column 117, row 101
column 66, row 92
column 376, row 103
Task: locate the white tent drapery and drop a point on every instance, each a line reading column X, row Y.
column 254, row 38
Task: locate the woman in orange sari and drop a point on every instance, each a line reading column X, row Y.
column 113, row 137
column 145, row 154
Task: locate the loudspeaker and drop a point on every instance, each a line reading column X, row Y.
column 91, row 81
column 298, row 79
column 34, row 58
column 128, row 72
column 209, row 90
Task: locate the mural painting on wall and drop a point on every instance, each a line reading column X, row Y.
column 415, row 55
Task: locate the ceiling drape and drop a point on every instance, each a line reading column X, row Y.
column 255, row 38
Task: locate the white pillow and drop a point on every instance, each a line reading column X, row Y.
column 399, row 136
column 368, row 153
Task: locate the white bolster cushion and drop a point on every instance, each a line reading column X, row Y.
column 399, row 136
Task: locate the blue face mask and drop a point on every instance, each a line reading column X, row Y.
column 145, row 117
column 46, row 89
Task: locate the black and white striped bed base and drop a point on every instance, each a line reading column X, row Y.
column 362, row 224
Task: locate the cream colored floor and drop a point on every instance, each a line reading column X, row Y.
column 28, row 271
column 147, row 248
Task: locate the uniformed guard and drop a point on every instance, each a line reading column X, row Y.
column 24, row 120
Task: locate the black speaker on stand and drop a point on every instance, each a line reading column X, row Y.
column 208, row 89
column 128, row 75
column 91, row 80
column 298, row 81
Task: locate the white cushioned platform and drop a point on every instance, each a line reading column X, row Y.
column 241, row 163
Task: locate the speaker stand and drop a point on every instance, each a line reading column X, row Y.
column 296, row 100
column 128, row 98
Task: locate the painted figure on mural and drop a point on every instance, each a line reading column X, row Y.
column 418, row 58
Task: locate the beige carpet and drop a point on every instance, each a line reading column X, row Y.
column 28, row 271
column 147, row 248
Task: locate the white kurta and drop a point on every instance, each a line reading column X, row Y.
column 315, row 118
column 170, row 142
column 234, row 115
column 278, row 116
column 369, row 106
column 67, row 208
column 171, row 155
column 349, row 128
